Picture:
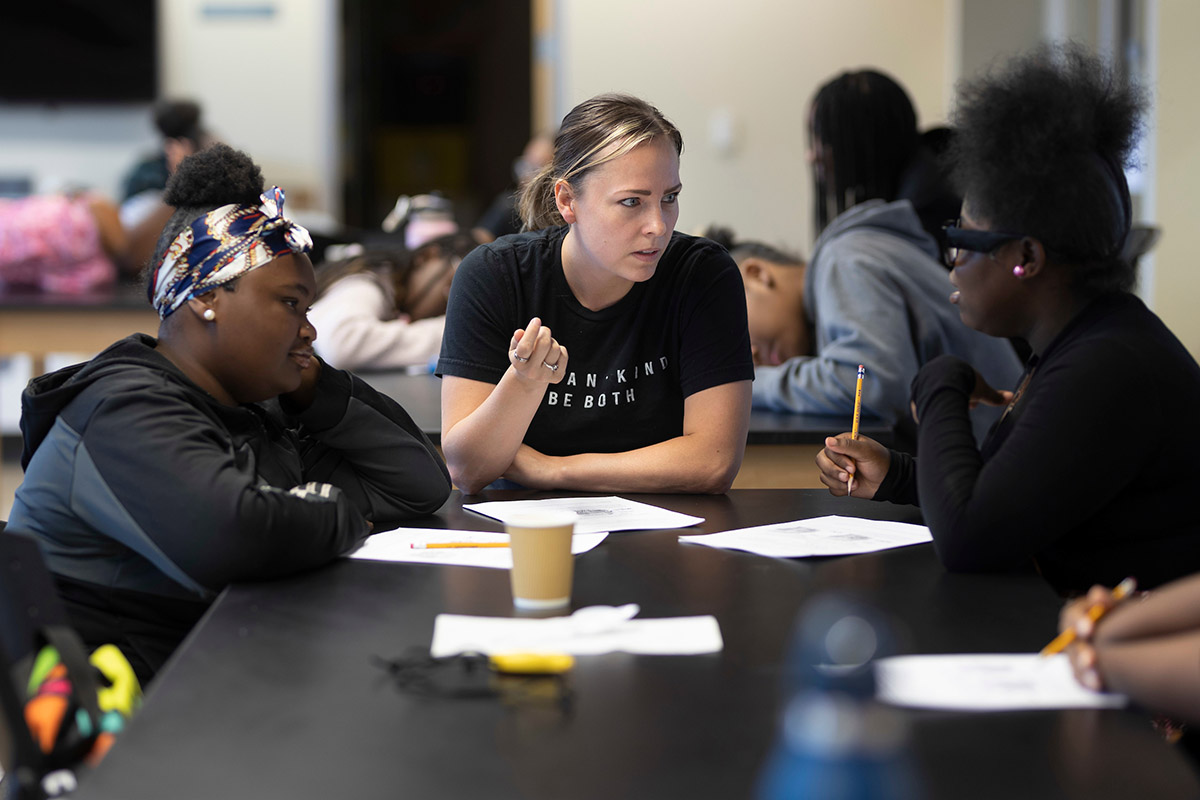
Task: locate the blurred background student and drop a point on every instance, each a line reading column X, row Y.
column 1097, row 437
column 502, row 216
column 68, row 243
column 874, row 291
column 420, row 218
column 386, row 309
column 143, row 213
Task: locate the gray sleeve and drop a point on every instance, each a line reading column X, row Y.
column 862, row 318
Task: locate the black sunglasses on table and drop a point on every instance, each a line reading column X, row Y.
column 956, row 239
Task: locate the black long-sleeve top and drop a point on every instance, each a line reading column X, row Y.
column 1089, row 474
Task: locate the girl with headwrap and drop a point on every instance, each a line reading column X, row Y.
column 223, row 450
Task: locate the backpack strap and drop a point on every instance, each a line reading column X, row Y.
column 79, row 669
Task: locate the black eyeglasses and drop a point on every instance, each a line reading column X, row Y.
column 956, row 239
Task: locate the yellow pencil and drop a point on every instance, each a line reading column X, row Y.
column 1064, row 639
column 854, row 425
column 436, row 545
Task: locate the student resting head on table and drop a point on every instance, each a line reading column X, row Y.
column 601, row 350
column 386, row 309
column 874, row 289
column 1089, row 474
column 224, row 450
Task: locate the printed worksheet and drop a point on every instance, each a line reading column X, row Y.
column 429, row 546
column 593, row 514
column 820, row 536
column 988, row 682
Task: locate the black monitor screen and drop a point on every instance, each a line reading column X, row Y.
column 78, row 51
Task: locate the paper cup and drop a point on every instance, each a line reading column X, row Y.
column 542, row 560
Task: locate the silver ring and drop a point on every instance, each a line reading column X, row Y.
column 516, row 357
column 551, row 367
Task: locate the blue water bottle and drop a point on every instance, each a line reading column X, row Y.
column 835, row 741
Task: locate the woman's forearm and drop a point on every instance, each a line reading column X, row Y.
column 689, row 463
column 481, row 445
column 705, row 459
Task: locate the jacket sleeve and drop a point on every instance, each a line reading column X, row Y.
column 862, row 318
column 363, row 442
column 164, row 478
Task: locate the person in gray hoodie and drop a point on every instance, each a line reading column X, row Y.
column 875, row 291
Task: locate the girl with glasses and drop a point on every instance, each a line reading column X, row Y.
column 1088, row 474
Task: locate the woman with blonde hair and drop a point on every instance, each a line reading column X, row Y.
column 600, row 349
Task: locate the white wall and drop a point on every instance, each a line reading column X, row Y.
column 73, row 146
column 1176, row 156
column 268, row 83
column 756, row 63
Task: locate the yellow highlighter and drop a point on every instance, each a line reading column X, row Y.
column 531, row 663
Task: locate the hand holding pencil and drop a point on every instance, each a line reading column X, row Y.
column 851, row 464
column 1077, row 625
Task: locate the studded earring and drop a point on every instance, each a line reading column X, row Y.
column 209, row 315
column 1019, row 271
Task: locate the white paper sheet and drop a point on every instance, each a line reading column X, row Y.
column 991, row 682
column 594, row 513
column 397, row 546
column 589, row 631
column 820, row 536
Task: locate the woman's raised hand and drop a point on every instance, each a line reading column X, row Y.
column 535, row 355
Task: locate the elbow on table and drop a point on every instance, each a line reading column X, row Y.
column 464, row 469
column 466, row 481
column 718, row 477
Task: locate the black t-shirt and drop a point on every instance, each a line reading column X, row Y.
column 630, row 365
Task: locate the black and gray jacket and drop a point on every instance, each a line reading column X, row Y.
column 148, row 496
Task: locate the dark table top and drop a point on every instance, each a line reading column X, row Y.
column 421, row 397
column 275, row 695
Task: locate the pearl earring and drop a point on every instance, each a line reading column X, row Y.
column 1019, row 271
column 209, row 314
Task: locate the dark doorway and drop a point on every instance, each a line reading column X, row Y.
column 436, row 97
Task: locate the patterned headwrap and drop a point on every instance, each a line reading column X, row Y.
column 222, row 245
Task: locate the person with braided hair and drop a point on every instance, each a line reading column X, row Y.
column 873, row 291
